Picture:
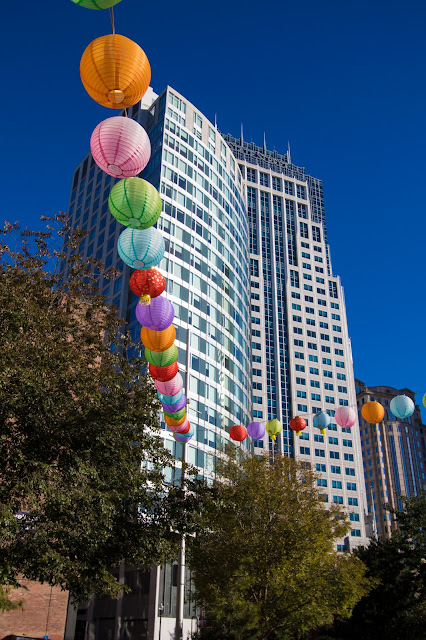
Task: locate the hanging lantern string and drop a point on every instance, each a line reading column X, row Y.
column 111, row 13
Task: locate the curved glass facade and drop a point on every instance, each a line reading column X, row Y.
column 206, row 266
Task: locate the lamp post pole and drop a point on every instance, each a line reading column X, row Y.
column 180, row 594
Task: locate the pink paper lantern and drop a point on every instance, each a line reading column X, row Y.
column 120, row 147
column 345, row 417
column 171, row 387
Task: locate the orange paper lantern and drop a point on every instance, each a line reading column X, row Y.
column 115, row 71
column 373, row 412
column 158, row 340
column 174, row 423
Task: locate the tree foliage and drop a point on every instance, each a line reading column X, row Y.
column 396, row 607
column 77, row 417
column 265, row 566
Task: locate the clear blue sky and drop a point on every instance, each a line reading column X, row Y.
column 343, row 81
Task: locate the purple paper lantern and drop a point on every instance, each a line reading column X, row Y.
column 172, row 408
column 156, row 316
column 256, row 430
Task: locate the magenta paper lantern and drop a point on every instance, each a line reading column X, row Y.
column 172, row 408
column 345, row 417
column 120, row 147
column 256, row 430
column 156, row 316
column 171, row 387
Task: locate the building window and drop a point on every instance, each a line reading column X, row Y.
column 301, row 191
column 289, row 187
column 263, row 179
column 304, row 230
column 277, row 183
column 316, row 234
column 251, row 174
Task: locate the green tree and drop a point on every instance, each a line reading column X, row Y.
column 81, row 463
column 396, row 607
column 265, row 566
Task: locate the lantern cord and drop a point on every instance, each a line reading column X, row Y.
column 111, row 13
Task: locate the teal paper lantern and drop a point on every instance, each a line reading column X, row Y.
column 135, row 203
column 402, row 406
column 322, row 421
column 170, row 399
column 141, row 248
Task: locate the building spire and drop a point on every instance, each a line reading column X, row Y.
column 242, row 137
column 288, row 152
column 264, row 141
column 215, row 120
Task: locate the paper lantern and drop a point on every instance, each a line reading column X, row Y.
column 177, row 415
column 162, row 358
column 256, row 430
column 148, row 282
column 158, row 340
column 345, row 417
column 183, row 438
column 297, row 424
column 170, row 399
column 120, row 147
column 373, row 412
column 135, row 203
column 171, row 387
column 174, row 423
column 182, row 428
column 141, row 248
column 402, row 406
column 96, row 4
column 274, row 427
column 238, row 433
column 163, row 374
column 177, row 406
column 322, row 421
column 157, row 316
column 115, row 71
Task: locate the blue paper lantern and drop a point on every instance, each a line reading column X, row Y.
column 141, row 248
column 322, row 421
column 170, row 399
column 402, row 406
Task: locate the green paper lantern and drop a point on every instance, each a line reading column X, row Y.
column 96, row 4
column 135, row 203
column 177, row 415
column 162, row 358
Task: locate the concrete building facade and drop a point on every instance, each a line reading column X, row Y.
column 301, row 351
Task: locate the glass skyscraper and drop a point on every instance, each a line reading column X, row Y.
column 260, row 319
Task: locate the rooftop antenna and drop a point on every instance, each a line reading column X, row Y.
column 242, row 137
column 215, row 120
column 288, row 152
column 264, row 141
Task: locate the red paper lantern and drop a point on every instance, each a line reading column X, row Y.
column 147, row 282
column 163, row 374
column 238, row 433
column 297, row 424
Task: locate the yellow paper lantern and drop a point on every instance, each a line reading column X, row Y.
column 115, row 71
column 373, row 412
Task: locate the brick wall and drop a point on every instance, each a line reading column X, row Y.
column 37, row 613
